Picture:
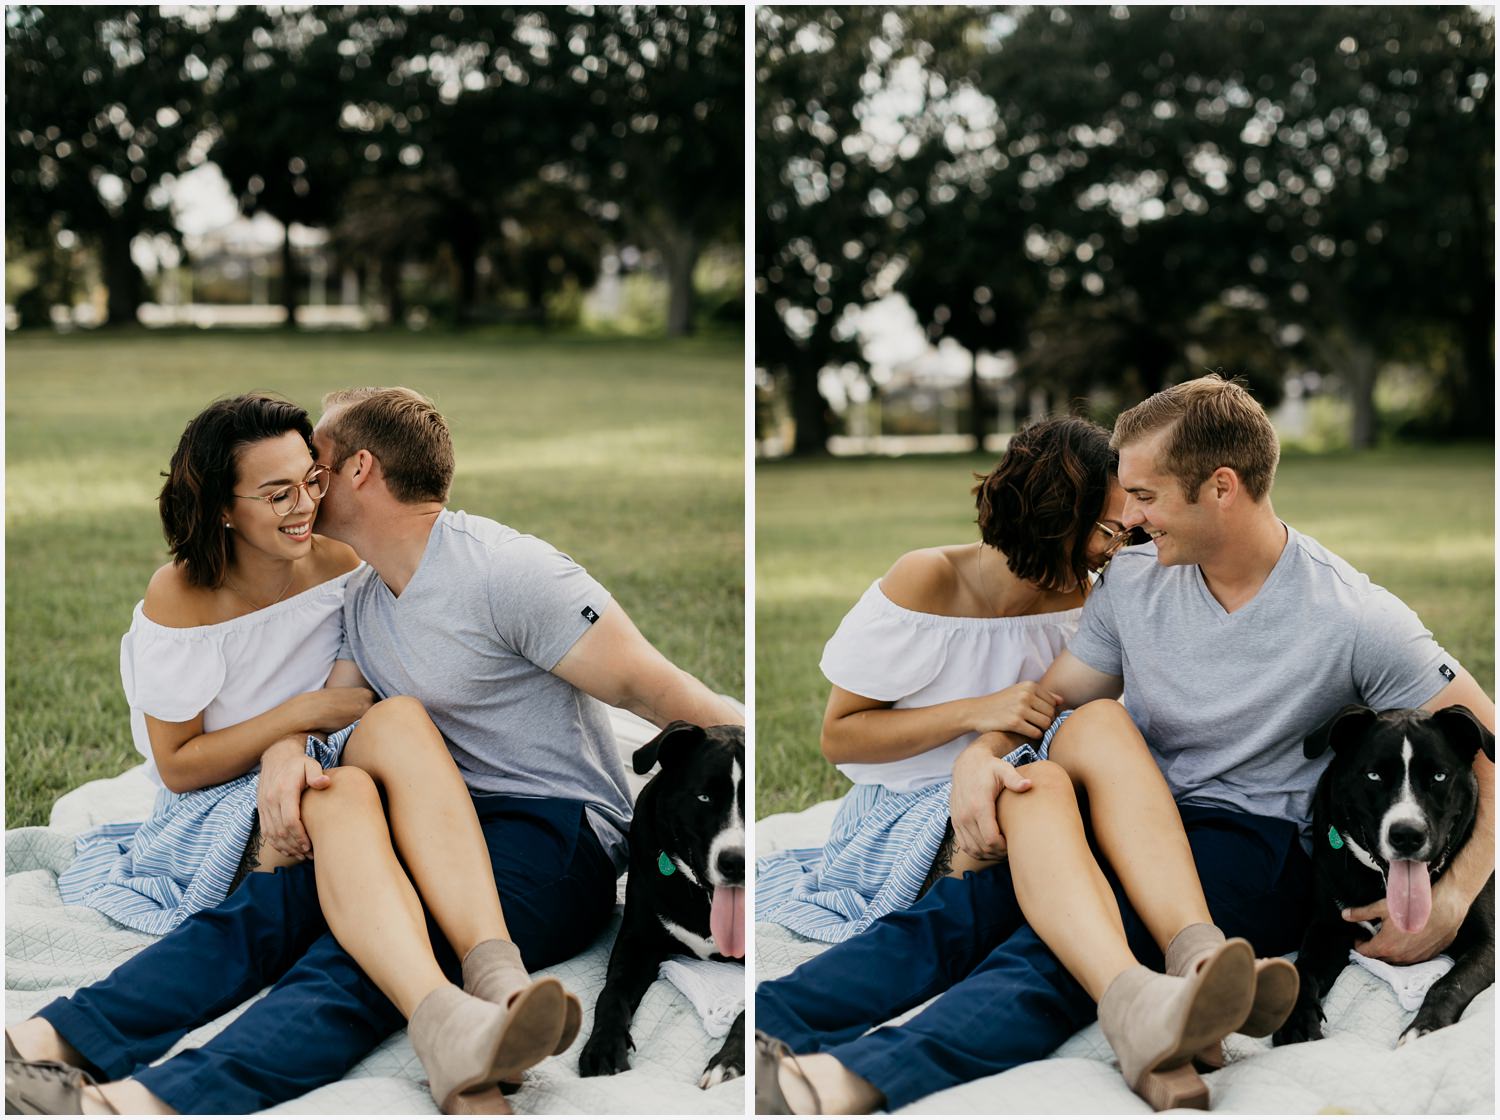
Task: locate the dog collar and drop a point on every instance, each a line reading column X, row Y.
column 1335, row 841
column 664, row 864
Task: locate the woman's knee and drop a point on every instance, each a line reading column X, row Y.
column 349, row 789
column 394, row 732
column 1093, row 728
column 1049, row 782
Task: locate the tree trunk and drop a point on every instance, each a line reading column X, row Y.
column 390, row 280
column 809, row 411
column 976, row 402
column 1473, row 415
column 288, row 278
column 121, row 277
column 680, row 251
column 466, row 260
column 1359, row 371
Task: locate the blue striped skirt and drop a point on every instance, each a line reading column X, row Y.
column 153, row 875
column 879, row 852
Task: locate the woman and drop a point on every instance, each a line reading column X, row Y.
column 232, row 655
column 929, row 659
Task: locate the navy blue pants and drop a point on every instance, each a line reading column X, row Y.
column 557, row 887
column 1005, row 999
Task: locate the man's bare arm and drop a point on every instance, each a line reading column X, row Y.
column 613, row 662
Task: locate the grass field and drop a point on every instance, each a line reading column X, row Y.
column 629, row 455
column 1419, row 521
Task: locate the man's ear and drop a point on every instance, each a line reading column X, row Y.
column 1343, row 729
column 364, row 468
column 1465, row 734
column 1226, row 485
column 670, row 747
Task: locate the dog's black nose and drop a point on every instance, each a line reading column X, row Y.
column 731, row 865
column 1406, row 838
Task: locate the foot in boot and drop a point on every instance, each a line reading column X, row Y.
column 469, row 1045
column 1275, row 979
column 493, row 971
column 1157, row 1023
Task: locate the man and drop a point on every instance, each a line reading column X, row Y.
column 1231, row 636
column 511, row 647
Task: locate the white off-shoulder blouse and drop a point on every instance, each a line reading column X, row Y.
column 885, row 652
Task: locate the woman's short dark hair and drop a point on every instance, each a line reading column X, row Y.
column 201, row 478
column 1040, row 504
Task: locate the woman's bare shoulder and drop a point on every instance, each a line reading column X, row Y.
column 925, row 580
column 334, row 557
column 171, row 600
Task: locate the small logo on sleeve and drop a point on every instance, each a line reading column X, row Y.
column 1448, row 673
column 593, row 616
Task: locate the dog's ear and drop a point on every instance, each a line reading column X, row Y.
column 1465, row 734
column 669, row 747
column 1351, row 721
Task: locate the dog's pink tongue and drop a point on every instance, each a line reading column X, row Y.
column 1408, row 894
column 726, row 920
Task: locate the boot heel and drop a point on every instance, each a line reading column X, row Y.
column 1164, row 1089
column 1210, row 1058
column 479, row 1102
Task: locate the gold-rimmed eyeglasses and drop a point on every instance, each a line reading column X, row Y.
column 283, row 501
column 1114, row 539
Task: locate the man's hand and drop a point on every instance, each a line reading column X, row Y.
column 285, row 771
column 1449, row 909
column 978, row 778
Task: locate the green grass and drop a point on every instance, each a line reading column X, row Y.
column 1419, row 521
column 629, row 455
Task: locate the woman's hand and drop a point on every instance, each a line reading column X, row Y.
column 1026, row 709
column 330, row 709
column 978, row 779
column 285, row 771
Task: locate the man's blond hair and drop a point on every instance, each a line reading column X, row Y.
column 402, row 429
column 1211, row 422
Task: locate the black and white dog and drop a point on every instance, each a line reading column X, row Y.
column 1395, row 805
column 686, row 891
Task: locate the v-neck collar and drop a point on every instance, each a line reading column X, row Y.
column 1282, row 562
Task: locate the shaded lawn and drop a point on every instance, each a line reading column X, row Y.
column 1417, row 520
column 628, row 455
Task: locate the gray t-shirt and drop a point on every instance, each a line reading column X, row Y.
column 1226, row 700
column 474, row 636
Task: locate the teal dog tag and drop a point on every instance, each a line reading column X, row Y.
column 664, row 864
column 1335, row 841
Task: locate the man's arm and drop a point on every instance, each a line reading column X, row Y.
column 614, row 663
column 979, row 772
column 1454, row 893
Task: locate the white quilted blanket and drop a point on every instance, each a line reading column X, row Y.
column 51, row 949
column 1355, row 1069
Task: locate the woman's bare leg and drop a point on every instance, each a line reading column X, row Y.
column 432, row 821
column 371, row 906
column 1064, row 896
column 1135, row 820
column 1062, row 892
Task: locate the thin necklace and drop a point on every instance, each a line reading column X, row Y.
column 989, row 597
column 258, row 606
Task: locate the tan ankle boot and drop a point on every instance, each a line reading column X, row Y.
column 468, row 1045
column 1157, row 1023
column 493, row 971
column 1276, row 981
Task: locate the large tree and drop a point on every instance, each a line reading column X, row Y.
column 663, row 128
column 100, row 114
column 277, row 99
